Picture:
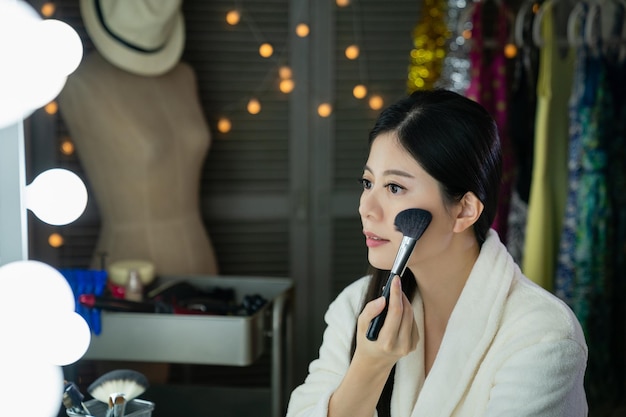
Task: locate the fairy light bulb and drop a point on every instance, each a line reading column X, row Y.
column 51, row 108
column 233, row 17
column 284, row 72
column 376, row 102
column 359, row 91
column 55, row 240
column 324, row 110
column 302, row 30
column 343, row 3
column 224, row 125
column 266, row 50
column 510, row 50
column 352, row 52
column 67, row 147
column 286, row 86
column 48, row 9
column 254, row 107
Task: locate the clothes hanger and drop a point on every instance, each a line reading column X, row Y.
column 520, row 20
column 575, row 36
column 536, row 29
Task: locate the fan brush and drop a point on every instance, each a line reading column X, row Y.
column 412, row 223
column 126, row 382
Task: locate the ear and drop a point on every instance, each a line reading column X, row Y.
column 470, row 210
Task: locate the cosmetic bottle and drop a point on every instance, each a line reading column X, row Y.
column 134, row 286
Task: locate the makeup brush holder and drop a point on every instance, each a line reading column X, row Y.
column 134, row 408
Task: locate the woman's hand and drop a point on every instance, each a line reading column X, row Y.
column 398, row 335
column 369, row 369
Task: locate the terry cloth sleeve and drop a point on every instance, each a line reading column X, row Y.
column 327, row 371
column 544, row 379
column 542, row 358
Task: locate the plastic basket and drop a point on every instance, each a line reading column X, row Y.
column 134, row 408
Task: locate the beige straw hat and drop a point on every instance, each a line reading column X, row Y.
column 145, row 37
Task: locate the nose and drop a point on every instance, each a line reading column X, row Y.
column 369, row 206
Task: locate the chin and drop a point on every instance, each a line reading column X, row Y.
column 379, row 261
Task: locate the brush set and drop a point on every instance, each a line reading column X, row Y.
column 114, row 395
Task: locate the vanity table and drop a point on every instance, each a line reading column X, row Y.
column 206, row 339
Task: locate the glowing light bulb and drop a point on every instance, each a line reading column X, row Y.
column 284, row 72
column 55, row 240
column 510, row 50
column 224, row 125
column 343, row 3
column 286, row 86
column 37, row 57
column 254, row 107
column 302, row 30
column 266, row 50
column 324, row 110
column 51, row 108
column 67, row 147
column 233, row 17
column 56, row 196
column 352, row 52
column 376, row 102
column 41, row 337
column 48, row 9
column 359, row 91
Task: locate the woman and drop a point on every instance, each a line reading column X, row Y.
column 466, row 334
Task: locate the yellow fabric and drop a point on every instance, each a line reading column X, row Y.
column 548, row 192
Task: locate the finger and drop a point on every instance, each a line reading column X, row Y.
column 371, row 310
column 394, row 310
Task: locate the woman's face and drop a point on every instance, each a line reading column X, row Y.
column 393, row 181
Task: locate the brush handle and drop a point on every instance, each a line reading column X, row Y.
column 377, row 323
column 399, row 264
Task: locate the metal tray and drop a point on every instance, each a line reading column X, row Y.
column 193, row 339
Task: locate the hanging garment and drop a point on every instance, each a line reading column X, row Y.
column 456, row 64
column 522, row 110
column 549, row 177
column 581, row 102
column 489, row 87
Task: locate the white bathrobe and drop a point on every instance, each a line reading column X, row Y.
column 510, row 349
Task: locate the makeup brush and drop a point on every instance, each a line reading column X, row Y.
column 412, row 223
column 126, row 382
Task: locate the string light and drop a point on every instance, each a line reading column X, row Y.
column 67, row 147
column 359, row 91
column 376, row 102
column 302, row 30
column 343, row 3
column 48, row 9
column 510, row 50
column 352, row 52
column 51, row 108
column 284, row 72
column 55, row 240
column 224, row 125
column 266, row 50
column 233, row 17
column 324, row 110
column 254, row 106
column 287, row 85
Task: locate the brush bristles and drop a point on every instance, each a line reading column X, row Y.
column 127, row 382
column 413, row 222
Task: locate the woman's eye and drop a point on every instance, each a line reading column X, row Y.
column 366, row 184
column 394, row 188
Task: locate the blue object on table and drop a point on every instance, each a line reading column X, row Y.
column 87, row 281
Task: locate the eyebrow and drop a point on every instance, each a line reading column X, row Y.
column 391, row 172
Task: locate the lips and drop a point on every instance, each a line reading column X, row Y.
column 373, row 241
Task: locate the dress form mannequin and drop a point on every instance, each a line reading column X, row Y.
column 142, row 141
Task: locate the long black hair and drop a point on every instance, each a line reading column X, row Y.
column 455, row 140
